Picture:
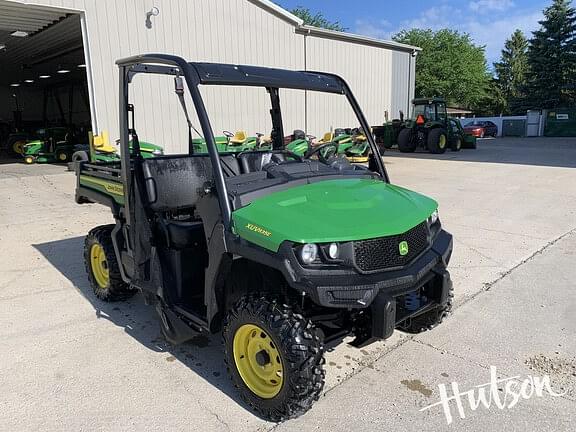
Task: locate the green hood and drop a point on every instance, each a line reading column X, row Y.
column 330, row 211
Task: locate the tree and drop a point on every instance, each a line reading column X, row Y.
column 552, row 58
column 450, row 65
column 316, row 19
column 512, row 70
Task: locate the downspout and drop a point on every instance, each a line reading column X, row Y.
column 89, row 73
column 306, row 91
column 409, row 84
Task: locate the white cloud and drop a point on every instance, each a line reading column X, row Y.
column 379, row 29
column 485, row 6
column 491, row 31
column 494, row 33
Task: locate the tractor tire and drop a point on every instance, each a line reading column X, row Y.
column 456, row 144
column 437, row 141
column 274, row 357
column 430, row 319
column 102, row 266
column 405, row 142
column 62, row 156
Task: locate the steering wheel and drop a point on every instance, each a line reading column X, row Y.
column 228, row 134
column 324, row 151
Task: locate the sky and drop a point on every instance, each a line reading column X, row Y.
column 489, row 22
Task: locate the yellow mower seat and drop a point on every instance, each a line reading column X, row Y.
column 101, row 142
column 239, row 137
column 328, row 137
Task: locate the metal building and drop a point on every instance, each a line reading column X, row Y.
column 73, row 44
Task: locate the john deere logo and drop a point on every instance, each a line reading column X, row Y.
column 403, row 248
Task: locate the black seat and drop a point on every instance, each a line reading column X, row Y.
column 176, row 183
column 183, row 234
column 253, row 161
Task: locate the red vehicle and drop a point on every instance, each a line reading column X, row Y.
column 481, row 128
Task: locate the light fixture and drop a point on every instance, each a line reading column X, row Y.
column 152, row 12
column 28, row 80
column 82, row 66
column 309, row 253
column 15, row 85
column 63, row 71
column 19, row 33
column 44, row 76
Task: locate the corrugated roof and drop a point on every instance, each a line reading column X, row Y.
column 14, row 17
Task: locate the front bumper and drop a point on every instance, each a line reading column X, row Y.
column 346, row 288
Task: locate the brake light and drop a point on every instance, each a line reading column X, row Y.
column 420, row 120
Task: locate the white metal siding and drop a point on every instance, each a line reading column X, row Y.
column 378, row 77
column 230, row 31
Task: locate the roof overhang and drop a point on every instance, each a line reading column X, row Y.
column 280, row 12
column 355, row 38
column 307, row 30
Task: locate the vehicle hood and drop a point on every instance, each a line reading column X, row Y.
column 331, row 211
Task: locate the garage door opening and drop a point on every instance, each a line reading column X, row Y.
column 44, row 97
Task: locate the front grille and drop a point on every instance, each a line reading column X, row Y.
column 384, row 252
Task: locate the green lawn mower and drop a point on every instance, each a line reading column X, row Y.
column 281, row 254
column 53, row 145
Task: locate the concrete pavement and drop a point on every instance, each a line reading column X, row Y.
column 71, row 362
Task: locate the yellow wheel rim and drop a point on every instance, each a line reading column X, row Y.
column 28, row 160
column 62, row 156
column 18, row 147
column 258, row 361
column 442, row 141
column 99, row 265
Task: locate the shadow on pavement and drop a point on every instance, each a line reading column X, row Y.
column 203, row 354
column 551, row 152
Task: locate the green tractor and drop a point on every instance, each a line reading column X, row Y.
column 429, row 129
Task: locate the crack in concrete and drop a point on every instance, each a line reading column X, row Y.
column 488, row 285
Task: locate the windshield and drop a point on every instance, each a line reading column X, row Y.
column 475, row 123
column 428, row 111
column 241, row 120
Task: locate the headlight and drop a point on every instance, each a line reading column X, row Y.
column 309, row 253
column 433, row 218
column 333, row 251
column 158, row 152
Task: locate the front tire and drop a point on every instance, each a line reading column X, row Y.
column 102, row 266
column 456, row 144
column 406, row 143
column 274, row 357
column 437, row 141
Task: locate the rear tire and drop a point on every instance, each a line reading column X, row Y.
column 437, row 141
column 62, row 156
column 282, row 378
column 406, row 143
column 102, row 266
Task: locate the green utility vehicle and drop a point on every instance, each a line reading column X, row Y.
column 281, row 253
column 429, row 129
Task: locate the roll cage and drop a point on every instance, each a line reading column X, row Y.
column 196, row 74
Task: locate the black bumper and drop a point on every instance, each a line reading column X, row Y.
column 346, row 288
